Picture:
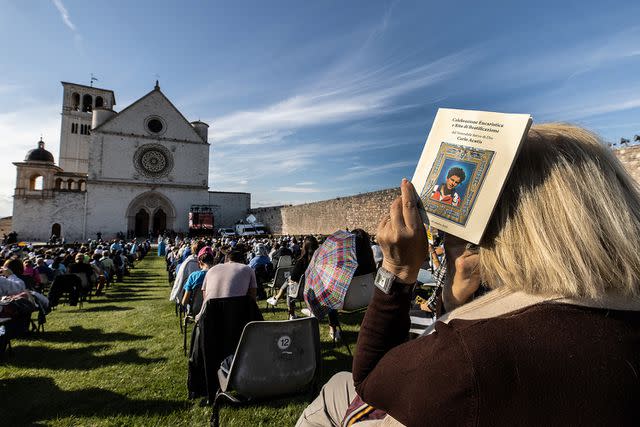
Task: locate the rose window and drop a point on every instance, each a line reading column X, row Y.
column 153, row 160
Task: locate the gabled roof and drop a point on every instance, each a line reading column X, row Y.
column 156, row 90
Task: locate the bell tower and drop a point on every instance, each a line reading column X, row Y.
column 78, row 103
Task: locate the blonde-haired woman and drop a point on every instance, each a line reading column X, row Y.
column 557, row 340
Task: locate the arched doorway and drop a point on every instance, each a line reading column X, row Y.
column 142, row 223
column 160, row 214
column 56, row 230
column 159, row 222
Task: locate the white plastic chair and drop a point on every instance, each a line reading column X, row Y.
column 273, row 358
column 359, row 293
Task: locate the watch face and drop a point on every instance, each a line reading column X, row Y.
column 384, row 280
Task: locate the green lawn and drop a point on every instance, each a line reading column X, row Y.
column 119, row 361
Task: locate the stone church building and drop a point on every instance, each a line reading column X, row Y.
column 142, row 170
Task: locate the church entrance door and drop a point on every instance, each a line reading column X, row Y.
column 150, row 211
column 159, row 222
column 142, row 223
column 56, row 230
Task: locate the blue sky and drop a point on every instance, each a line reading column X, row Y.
column 314, row 100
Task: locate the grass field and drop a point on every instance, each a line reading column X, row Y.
column 118, row 361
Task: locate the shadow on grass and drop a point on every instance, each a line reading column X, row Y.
column 121, row 290
column 48, row 402
column 79, row 334
column 116, row 299
column 352, row 319
column 132, row 288
column 106, row 308
column 80, row 359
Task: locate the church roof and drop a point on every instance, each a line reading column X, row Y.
column 39, row 154
column 156, row 90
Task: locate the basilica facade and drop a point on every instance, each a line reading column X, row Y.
column 138, row 171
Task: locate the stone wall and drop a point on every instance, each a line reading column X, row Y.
column 33, row 217
column 630, row 158
column 6, row 225
column 360, row 211
column 271, row 217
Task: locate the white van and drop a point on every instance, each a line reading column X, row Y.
column 255, row 229
column 245, row 230
column 227, row 232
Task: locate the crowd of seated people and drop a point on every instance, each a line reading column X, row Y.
column 259, row 254
column 185, row 266
column 189, row 261
column 36, row 278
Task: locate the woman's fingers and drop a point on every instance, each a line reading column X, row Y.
column 410, row 212
column 382, row 225
column 397, row 222
column 404, row 210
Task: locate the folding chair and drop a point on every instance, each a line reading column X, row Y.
column 359, row 293
column 191, row 312
column 44, row 282
column 85, row 287
column 281, row 276
column 358, row 296
column 273, row 358
column 284, row 261
column 295, row 293
column 264, row 274
column 5, row 339
column 69, row 284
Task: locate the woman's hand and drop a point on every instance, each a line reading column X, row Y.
column 402, row 236
column 463, row 272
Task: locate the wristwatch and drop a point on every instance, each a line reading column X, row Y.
column 384, row 280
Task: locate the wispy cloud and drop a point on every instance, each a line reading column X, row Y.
column 64, row 14
column 338, row 99
column 360, row 171
column 559, row 63
column 576, row 110
column 369, row 93
column 618, row 46
column 305, row 183
column 282, row 160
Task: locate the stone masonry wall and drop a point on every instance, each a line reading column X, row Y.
column 360, row 211
column 630, row 158
column 6, row 225
column 271, row 217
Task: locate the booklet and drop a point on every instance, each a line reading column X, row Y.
column 463, row 167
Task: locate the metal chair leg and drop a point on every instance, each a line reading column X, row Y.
column 184, row 335
column 184, row 340
column 344, row 342
column 215, row 411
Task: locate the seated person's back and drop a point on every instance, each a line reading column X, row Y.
column 231, row 279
